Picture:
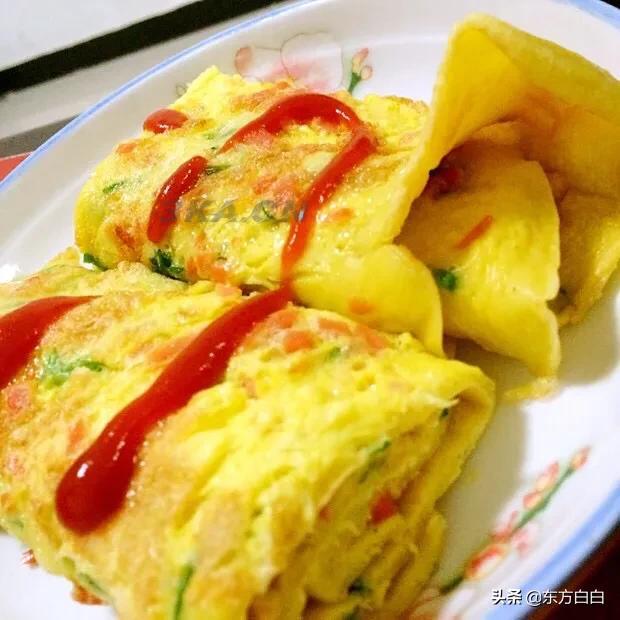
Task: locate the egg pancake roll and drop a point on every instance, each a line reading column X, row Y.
column 522, row 209
column 496, row 289
column 232, row 225
column 321, row 432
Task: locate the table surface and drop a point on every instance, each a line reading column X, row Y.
column 25, row 31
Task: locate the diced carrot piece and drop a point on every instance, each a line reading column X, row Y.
column 325, row 513
column 475, row 233
column 373, row 339
column 18, row 397
column 14, row 464
column 332, row 325
column 261, row 139
column 204, row 259
column 284, row 319
column 263, row 183
column 28, row 559
column 267, row 95
column 226, row 290
column 383, row 508
column 357, row 305
column 126, row 147
column 219, row 273
column 207, row 266
column 249, row 385
column 169, row 349
column 340, row 216
column 77, row 432
column 125, row 237
column 302, row 365
column 84, row 597
column 298, row 339
column 191, row 271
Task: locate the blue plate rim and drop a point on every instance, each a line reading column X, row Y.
column 601, row 523
column 598, row 8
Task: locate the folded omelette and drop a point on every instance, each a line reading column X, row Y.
column 523, row 204
column 513, row 172
column 304, row 484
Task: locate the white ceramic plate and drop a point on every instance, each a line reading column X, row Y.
column 504, row 533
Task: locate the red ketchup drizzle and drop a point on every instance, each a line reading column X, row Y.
column 96, row 485
column 163, row 213
column 303, row 108
column 163, row 120
column 300, row 108
column 21, row 331
column 361, row 145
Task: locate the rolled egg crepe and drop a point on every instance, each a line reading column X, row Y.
column 303, row 485
column 534, row 134
column 232, row 226
column 496, row 289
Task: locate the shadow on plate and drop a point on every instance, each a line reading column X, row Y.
column 490, row 477
column 590, row 349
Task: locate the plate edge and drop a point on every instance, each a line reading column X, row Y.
column 569, row 558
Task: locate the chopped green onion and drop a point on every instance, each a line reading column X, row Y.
column 268, row 208
column 219, row 133
column 379, row 448
column 334, row 353
column 162, row 263
column 16, row 523
column 360, row 587
column 215, row 168
column 92, row 365
column 55, row 371
column 446, row 279
column 444, row 413
column 187, row 573
column 376, row 455
column 112, row 187
column 91, row 585
column 90, row 259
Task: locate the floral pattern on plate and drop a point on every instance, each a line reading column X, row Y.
column 314, row 61
column 516, row 534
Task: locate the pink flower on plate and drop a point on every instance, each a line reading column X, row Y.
column 505, row 529
column 533, row 499
column 548, row 478
column 360, row 71
column 524, row 538
column 486, row 560
column 357, row 64
column 579, row 459
column 313, row 61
